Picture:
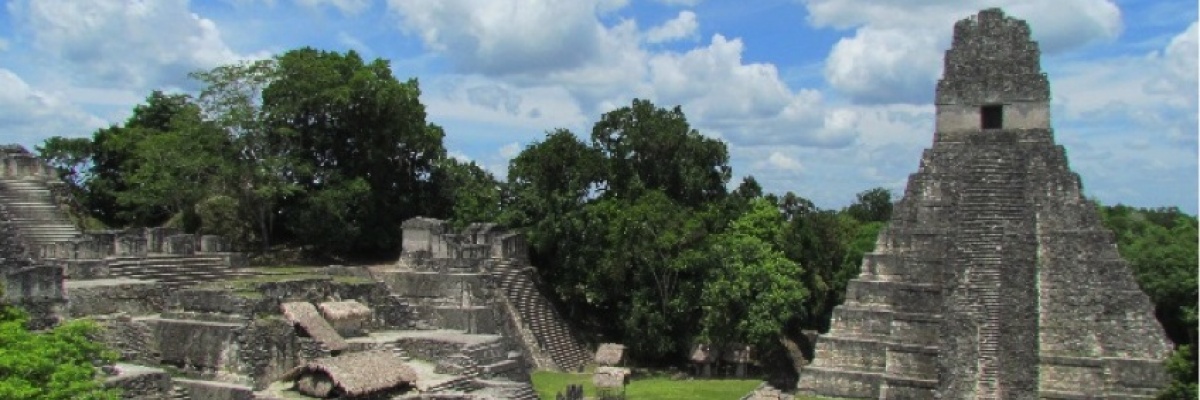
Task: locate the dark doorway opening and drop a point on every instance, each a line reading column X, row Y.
column 991, row 117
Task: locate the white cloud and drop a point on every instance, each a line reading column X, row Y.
column 3, row 44
column 347, row 7
column 510, row 150
column 1157, row 92
column 29, row 115
column 459, row 155
column 780, row 161
column 885, row 66
column 113, row 43
column 507, row 36
column 682, row 26
column 723, row 95
column 894, row 54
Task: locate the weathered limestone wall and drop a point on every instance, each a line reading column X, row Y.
column 993, row 262
column 110, row 296
column 199, row 345
column 34, row 286
column 141, row 383
column 965, row 118
column 138, row 242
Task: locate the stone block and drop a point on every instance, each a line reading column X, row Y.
column 204, row 345
column 156, row 238
column 209, row 390
column 34, row 283
column 109, row 296
column 138, row 382
column 214, row 244
column 130, row 243
column 475, row 319
column 180, row 244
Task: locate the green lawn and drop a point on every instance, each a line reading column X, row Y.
column 549, row 383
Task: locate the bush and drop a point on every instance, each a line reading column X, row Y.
column 58, row 364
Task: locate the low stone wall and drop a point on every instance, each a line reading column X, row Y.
column 133, row 339
column 269, row 349
column 209, row 390
column 134, row 243
column 141, row 383
column 127, row 296
column 204, row 346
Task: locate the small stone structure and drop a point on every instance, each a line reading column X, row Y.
column 610, row 381
column 995, row 278
column 348, row 317
column 353, row 375
column 479, row 280
column 702, row 359
column 610, row 354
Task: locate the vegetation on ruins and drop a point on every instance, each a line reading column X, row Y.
column 1161, row 247
column 633, row 228
column 56, row 364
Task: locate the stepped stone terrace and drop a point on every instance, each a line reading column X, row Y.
column 995, row 278
column 191, row 320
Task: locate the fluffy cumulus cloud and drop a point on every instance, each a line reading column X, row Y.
column 507, row 36
column 894, row 53
column 682, row 26
column 127, row 44
column 1155, row 91
column 29, row 115
column 565, row 47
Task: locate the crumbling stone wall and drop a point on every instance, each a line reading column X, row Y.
column 33, row 286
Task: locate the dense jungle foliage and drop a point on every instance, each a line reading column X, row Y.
column 632, row 226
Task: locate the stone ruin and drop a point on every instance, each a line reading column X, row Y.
column 995, row 278
column 189, row 319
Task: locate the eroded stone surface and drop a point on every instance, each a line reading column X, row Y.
column 994, row 262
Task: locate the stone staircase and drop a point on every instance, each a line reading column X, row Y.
column 994, row 204
column 32, row 209
column 179, row 393
column 173, row 269
column 526, row 392
column 552, row 333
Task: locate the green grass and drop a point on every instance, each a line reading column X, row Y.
column 658, row 388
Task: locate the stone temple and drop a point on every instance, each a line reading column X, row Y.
column 995, row 278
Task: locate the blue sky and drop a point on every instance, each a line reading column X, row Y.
column 824, row 98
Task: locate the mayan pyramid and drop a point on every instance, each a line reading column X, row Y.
column 995, row 278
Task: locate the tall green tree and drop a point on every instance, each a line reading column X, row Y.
column 259, row 178
column 362, row 148
column 174, row 169
column 874, row 205
column 651, row 148
column 466, row 193
column 753, row 291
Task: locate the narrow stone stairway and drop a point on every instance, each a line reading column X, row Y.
column 552, row 333
column 32, row 209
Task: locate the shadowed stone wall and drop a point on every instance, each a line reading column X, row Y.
column 995, row 278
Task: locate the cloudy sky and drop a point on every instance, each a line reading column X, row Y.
column 824, row 98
